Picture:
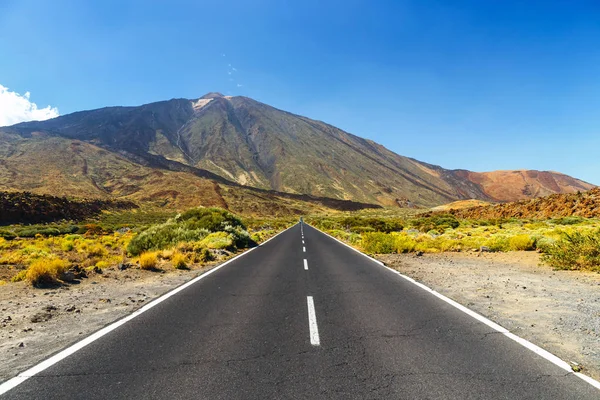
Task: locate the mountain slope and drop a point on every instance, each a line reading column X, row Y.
column 46, row 164
column 237, row 140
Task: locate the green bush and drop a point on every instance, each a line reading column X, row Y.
column 575, row 251
column 378, row 243
column 163, row 236
column 6, row 234
column 437, row 223
column 211, row 219
column 568, row 220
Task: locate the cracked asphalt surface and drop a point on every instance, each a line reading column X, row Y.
column 242, row 333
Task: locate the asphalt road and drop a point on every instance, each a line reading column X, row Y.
column 247, row 332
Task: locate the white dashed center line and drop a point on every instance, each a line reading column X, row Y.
column 312, row 322
column 305, row 264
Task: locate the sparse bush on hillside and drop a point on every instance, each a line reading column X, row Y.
column 575, row 251
column 438, row 223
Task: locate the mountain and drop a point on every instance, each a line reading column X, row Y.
column 239, row 141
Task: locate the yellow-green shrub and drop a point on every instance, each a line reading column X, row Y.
column 148, row 261
column 498, row 243
column 19, row 276
column 179, row 261
column 404, row 243
column 97, row 250
column 45, row 271
column 377, row 243
column 102, row 264
column 521, row 243
column 217, row 240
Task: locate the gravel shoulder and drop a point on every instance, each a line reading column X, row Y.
column 36, row 323
column 557, row 310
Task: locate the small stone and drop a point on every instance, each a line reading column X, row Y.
column 21, row 344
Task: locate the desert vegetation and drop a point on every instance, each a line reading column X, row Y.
column 566, row 243
column 52, row 254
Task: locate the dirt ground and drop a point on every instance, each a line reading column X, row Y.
column 556, row 310
column 36, row 323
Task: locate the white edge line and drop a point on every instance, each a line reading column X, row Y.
column 312, row 322
column 23, row 376
column 523, row 342
column 305, row 264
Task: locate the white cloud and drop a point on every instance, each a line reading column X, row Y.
column 239, row 85
column 15, row 108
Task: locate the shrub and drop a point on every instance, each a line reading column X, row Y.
column 67, row 245
column 46, row 271
column 179, row 261
column 102, row 264
column 218, row 240
column 19, row 276
column 498, row 243
column 568, row 220
column 378, row 243
column 164, row 236
column 575, row 251
column 521, row 243
column 404, row 244
column 148, row 261
column 97, row 250
column 437, row 223
column 212, row 219
column 6, row 234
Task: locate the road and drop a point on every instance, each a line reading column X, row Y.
column 270, row 325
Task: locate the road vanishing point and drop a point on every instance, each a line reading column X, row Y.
column 301, row 317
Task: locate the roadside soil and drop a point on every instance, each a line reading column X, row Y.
column 556, row 310
column 36, row 323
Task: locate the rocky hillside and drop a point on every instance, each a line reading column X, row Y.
column 240, row 141
column 53, row 165
column 580, row 204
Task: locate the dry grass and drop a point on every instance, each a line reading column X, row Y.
column 45, row 271
column 149, row 261
column 179, row 261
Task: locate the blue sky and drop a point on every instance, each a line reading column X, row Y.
column 480, row 85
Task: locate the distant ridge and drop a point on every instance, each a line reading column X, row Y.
column 581, row 204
